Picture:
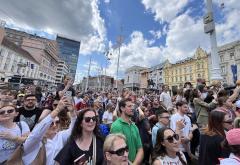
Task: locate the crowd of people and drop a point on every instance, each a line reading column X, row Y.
column 195, row 125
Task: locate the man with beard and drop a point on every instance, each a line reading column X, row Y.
column 125, row 126
column 29, row 112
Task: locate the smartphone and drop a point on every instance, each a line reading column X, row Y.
column 68, row 94
column 80, row 160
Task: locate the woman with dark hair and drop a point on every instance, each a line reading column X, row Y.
column 210, row 141
column 232, row 143
column 85, row 144
column 201, row 108
column 166, row 150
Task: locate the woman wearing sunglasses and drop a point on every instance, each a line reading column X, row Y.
column 166, row 150
column 85, row 143
column 210, row 141
column 11, row 134
column 115, row 150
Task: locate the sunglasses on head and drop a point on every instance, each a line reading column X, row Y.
column 88, row 119
column 120, row 151
column 170, row 139
column 8, row 111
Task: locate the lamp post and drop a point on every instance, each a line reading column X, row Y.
column 107, row 53
column 21, row 65
column 89, row 67
column 119, row 43
column 209, row 28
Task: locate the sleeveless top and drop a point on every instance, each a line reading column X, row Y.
column 166, row 160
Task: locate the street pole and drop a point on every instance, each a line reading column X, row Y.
column 89, row 67
column 21, row 65
column 209, row 27
column 120, row 40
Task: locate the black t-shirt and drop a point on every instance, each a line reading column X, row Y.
column 29, row 116
column 71, row 151
column 211, row 149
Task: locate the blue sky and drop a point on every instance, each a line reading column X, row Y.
column 153, row 30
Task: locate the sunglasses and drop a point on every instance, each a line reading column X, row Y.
column 167, row 117
column 170, row 139
column 8, row 111
column 55, row 123
column 228, row 122
column 120, row 151
column 55, row 105
column 88, row 119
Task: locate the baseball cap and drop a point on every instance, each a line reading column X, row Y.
column 232, row 136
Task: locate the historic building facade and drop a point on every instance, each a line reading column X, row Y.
column 229, row 58
column 190, row 69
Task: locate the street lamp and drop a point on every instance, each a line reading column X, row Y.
column 89, row 68
column 119, row 43
column 21, row 65
column 107, row 53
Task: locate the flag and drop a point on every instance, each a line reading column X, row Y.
column 234, row 72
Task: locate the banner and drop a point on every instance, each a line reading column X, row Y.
column 234, row 72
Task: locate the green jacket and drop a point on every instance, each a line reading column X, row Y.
column 132, row 135
column 202, row 110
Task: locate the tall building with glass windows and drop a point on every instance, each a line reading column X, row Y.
column 69, row 52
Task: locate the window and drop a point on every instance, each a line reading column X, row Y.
column 1, row 54
column 191, row 78
column 7, row 61
column 198, row 66
column 190, row 69
column 221, row 58
column 223, row 69
column 199, row 75
column 232, row 55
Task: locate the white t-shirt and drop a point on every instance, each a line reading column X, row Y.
column 77, row 100
column 166, row 160
column 109, row 116
column 165, row 98
column 7, row 147
column 186, row 130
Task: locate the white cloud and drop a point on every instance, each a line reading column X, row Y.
column 78, row 19
column 164, row 10
column 156, row 34
column 136, row 52
column 184, row 35
column 229, row 29
column 107, row 1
